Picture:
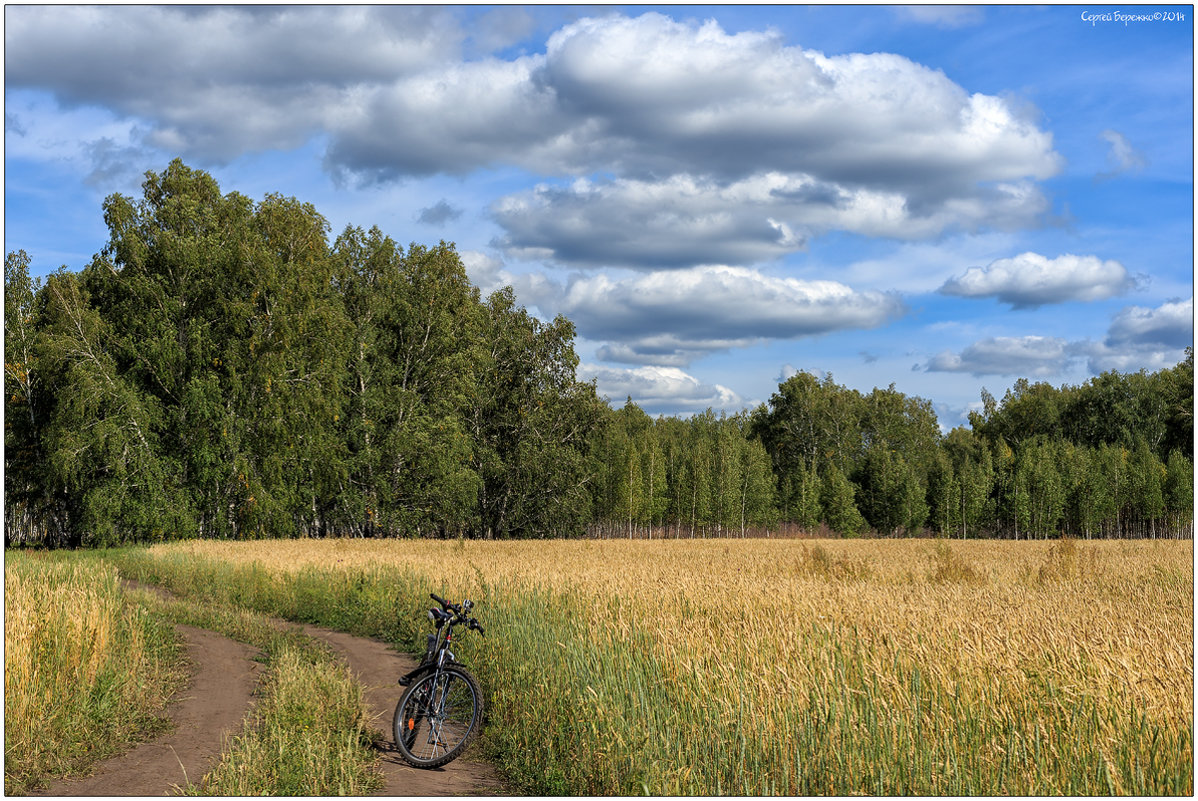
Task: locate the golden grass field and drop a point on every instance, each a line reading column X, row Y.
column 784, row 666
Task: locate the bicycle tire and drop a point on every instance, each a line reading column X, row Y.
column 437, row 717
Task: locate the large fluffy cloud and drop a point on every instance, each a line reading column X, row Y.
column 1170, row 325
column 641, row 98
column 1143, row 338
column 665, row 95
column 1030, row 280
column 215, row 82
column 684, row 220
column 673, row 318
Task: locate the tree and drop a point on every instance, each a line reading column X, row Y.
column 1177, row 390
column 224, row 314
column 973, row 468
column 839, row 509
column 758, row 504
column 1039, row 495
column 531, row 422
column 419, row 379
column 1179, row 493
column 101, row 451
column 944, row 493
column 726, row 443
column 809, row 422
column 891, row 496
column 697, row 480
column 805, row 489
column 1147, row 479
column 23, row 458
column 653, row 472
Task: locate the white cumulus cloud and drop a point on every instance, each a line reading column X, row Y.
column 1025, row 356
column 683, row 220
column 1030, row 280
column 1138, row 338
column 1171, row 324
column 674, row 317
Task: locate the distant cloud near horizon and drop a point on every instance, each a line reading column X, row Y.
column 1170, row 325
column 657, row 388
column 674, row 318
column 1034, row 356
column 1137, row 335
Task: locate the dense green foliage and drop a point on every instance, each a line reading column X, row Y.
column 1112, row 457
column 222, row 370
column 681, row 477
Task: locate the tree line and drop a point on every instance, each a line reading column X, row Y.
column 223, row 369
column 1112, row 457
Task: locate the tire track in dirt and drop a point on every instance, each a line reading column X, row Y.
column 378, row 668
column 208, row 711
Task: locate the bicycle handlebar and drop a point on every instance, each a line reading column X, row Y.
column 460, row 611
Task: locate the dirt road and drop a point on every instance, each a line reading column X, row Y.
column 209, row 710
column 214, row 706
column 378, row 669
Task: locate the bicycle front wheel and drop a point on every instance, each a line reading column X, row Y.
column 437, row 717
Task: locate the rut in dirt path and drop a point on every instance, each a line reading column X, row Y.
column 208, row 711
column 378, row 669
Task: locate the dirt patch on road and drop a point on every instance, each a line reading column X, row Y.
column 211, row 709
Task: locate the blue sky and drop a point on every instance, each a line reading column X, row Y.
column 943, row 198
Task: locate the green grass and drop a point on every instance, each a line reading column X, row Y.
column 307, row 737
column 90, row 666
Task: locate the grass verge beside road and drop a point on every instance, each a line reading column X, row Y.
column 87, row 672
column 307, row 735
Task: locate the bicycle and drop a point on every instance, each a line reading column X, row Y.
column 442, row 708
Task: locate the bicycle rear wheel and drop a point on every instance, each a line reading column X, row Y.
column 437, row 717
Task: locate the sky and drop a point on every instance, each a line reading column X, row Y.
column 942, row 198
